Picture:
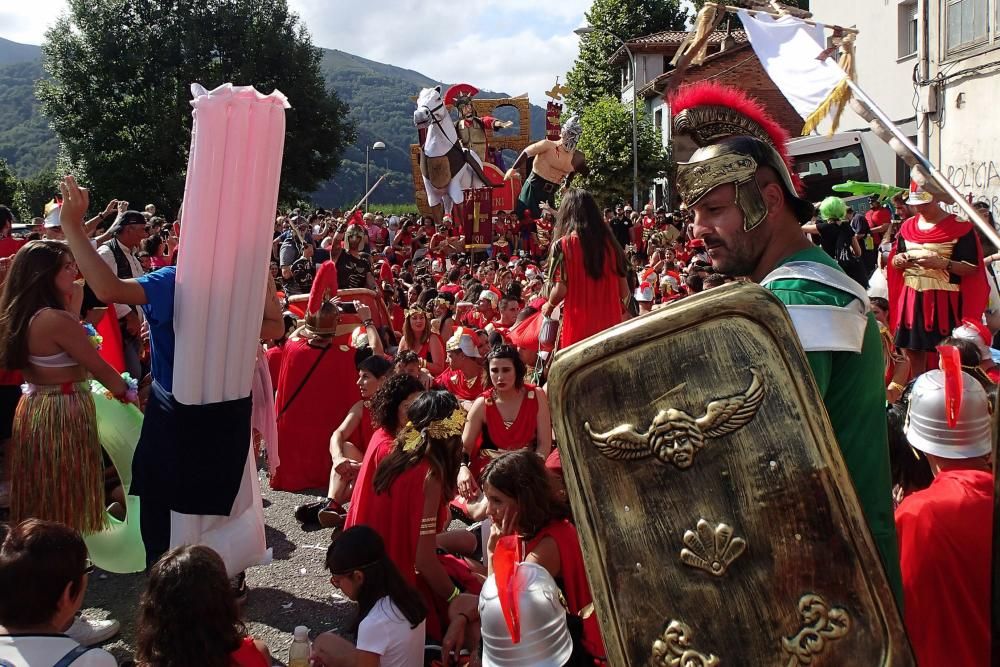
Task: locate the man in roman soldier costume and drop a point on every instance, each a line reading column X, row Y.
column 936, row 277
column 555, row 164
column 307, row 412
column 748, row 213
column 473, row 129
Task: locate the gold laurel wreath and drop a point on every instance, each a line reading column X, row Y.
column 453, row 424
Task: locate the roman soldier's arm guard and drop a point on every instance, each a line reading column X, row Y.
column 717, row 518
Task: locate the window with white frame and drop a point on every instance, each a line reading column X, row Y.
column 967, row 23
column 907, row 28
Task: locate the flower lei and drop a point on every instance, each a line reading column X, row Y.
column 131, row 393
column 450, row 426
column 96, row 339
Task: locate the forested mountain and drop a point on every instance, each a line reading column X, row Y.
column 379, row 96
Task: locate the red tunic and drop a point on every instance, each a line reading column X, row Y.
column 522, row 433
column 945, row 541
column 572, row 579
column 306, row 421
column 365, row 430
column 396, row 514
column 941, row 310
column 591, row 306
column 456, row 382
column 247, row 655
column 273, row 356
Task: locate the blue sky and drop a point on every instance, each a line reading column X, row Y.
column 514, row 46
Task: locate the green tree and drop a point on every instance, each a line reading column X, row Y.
column 591, row 77
column 34, row 192
column 8, row 183
column 119, row 91
column 607, row 143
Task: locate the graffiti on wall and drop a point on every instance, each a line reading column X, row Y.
column 981, row 179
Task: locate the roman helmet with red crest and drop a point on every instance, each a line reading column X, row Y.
column 733, row 136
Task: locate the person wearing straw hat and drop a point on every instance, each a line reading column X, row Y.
column 945, row 530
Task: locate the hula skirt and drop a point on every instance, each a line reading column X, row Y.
column 57, row 471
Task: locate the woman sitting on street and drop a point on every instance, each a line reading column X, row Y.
column 188, row 615
column 418, row 337
column 390, row 625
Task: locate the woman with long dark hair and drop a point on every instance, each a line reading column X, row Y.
column 188, row 615
column 390, row 625
column 521, row 501
column 57, row 472
column 406, row 501
column 419, row 337
column 389, row 409
column 586, row 270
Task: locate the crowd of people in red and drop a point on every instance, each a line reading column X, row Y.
column 409, row 384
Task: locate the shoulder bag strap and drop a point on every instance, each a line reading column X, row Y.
column 302, row 384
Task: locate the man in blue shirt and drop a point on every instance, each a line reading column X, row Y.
column 173, row 469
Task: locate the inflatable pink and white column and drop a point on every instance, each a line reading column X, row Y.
column 230, row 199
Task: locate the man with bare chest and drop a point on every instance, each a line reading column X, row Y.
column 555, row 164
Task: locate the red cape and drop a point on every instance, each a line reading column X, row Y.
column 975, row 291
column 111, row 347
column 305, row 426
column 945, row 535
column 591, row 305
column 573, row 579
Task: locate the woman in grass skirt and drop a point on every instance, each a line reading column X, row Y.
column 57, row 472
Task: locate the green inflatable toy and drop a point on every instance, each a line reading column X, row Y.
column 118, row 548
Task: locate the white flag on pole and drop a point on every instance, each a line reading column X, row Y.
column 789, row 51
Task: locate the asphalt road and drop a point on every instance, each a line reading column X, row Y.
column 293, row 590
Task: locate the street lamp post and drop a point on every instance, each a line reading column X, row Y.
column 586, row 30
column 377, row 146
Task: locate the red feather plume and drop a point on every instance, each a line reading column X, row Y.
column 951, row 365
column 712, row 94
column 506, row 556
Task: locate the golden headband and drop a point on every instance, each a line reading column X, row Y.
column 452, row 425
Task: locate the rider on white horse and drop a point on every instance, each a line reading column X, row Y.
column 447, row 168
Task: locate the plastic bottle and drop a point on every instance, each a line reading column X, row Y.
column 298, row 652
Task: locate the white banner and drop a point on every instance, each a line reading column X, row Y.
column 788, row 49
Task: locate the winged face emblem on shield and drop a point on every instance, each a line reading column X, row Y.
column 674, row 436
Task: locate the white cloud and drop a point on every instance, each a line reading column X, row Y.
column 514, row 46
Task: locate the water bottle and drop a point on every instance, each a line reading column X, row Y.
column 298, row 652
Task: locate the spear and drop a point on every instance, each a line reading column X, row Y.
column 347, row 216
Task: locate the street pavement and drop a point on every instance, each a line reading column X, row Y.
column 293, row 590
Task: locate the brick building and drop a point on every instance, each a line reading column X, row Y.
column 730, row 61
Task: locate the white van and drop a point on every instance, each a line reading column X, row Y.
column 824, row 161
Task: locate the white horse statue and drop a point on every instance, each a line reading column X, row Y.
column 447, row 168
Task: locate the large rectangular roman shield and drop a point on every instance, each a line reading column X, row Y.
column 718, row 521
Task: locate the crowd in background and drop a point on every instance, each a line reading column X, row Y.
column 439, row 412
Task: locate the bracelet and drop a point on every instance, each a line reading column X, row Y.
column 454, row 594
column 895, row 386
column 368, row 323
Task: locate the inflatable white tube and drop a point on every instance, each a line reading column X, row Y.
column 230, row 198
column 248, row 302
